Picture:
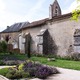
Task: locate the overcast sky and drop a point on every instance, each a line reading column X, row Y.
column 13, row 11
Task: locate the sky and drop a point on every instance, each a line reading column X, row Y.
column 13, row 11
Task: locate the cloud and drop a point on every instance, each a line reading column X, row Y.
column 71, row 7
column 33, row 11
column 7, row 17
column 2, row 6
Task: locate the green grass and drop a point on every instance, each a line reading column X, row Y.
column 59, row 63
column 13, row 56
column 4, row 71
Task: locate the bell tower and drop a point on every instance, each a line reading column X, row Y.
column 54, row 9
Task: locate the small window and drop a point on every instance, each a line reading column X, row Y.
column 56, row 11
column 40, row 39
column 7, row 38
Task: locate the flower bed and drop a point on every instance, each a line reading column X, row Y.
column 30, row 69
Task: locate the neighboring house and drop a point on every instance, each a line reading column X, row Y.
column 11, row 34
column 53, row 35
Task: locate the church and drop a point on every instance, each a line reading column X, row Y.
column 57, row 34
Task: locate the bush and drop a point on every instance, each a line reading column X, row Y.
column 25, row 74
column 15, row 74
column 38, row 70
column 75, row 56
column 20, row 67
column 44, row 71
column 37, row 55
column 4, row 71
column 3, row 46
column 11, row 62
column 2, row 62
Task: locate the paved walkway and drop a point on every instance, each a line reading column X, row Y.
column 66, row 74
column 5, row 66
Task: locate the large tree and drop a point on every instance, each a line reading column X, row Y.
column 76, row 12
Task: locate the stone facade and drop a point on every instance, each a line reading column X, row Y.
column 54, row 10
column 13, row 38
column 53, row 35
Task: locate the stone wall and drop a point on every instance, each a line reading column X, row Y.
column 62, row 32
column 13, row 38
column 34, row 38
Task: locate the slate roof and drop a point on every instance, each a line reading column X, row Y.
column 15, row 27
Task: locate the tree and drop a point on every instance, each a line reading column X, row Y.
column 76, row 12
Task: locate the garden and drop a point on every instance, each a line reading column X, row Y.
column 35, row 66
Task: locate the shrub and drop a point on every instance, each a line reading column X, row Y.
column 15, row 74
column 37, row 55
column 3, row 46
column 75, row 56
column 44, row 71
column 20, row 67
column 25, row 74
column 2, row 62
column 4, row 71
column 38, row 70
column 11, row 62
column 10, row 76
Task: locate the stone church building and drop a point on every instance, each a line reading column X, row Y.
column 57, row 34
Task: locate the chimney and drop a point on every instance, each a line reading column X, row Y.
column 7, row 27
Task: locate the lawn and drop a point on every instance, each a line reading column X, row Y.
column 13, row 56
column 59, row 63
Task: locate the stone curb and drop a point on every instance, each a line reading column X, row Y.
column 4, row 78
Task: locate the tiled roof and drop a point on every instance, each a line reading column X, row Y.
column 43, row 21
column 24, row 25
column 15, row 27
column 35, row 23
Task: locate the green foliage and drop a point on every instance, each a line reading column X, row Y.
column 76, row 12
column 4, row 71
column 15, row 74
column 1, row 62
column 13, row 56
column 3, row 46
column 25, row 74
column 20, row 67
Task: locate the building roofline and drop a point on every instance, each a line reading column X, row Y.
column 43, row 22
